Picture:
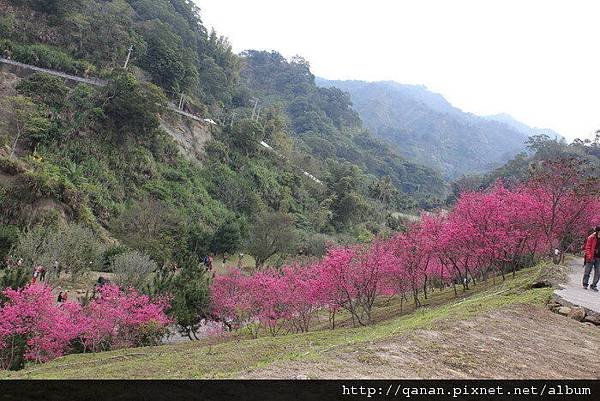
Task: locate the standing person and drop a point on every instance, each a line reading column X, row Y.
column 592, row 260
column 56, row 269
column 36, row 274
column 42, row 273
column 65, row 296
column 60, row 297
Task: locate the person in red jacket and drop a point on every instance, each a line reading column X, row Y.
column 592, row 260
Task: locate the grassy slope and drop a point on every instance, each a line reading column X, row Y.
column 229, row 358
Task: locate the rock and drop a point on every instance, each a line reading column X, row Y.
column 564, row 310
column 541, row 284
column 553, row 305
column 577, row 313
column 593, row 318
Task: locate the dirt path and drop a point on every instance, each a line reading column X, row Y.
column 572, row 290
column 520, row 342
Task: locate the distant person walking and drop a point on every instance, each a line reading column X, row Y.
column 36, row 273
column 592, row 260
column 98, row 285
column 42, row 273
column 56, row 269
column 556, row 257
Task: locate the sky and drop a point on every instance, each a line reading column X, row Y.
column 537, row 60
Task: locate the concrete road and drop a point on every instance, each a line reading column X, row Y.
column 572, row 291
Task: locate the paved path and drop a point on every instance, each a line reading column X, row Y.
column 91, row 81
column 573, row 292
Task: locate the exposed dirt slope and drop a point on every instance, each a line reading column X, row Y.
column 520, row 342
column 190, row 135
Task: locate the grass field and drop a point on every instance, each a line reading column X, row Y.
column 236, row 356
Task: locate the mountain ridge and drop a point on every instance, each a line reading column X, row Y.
column 429, row 130
column 527, row 129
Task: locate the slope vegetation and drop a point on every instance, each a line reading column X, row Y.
column 503, row 331
column 103, row 155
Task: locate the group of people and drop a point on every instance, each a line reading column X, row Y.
column 39, row 273
column 592, row 260
column 63, row 296
column 207, row 261
column 12, row 263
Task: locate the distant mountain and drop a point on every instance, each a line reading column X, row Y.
column 429, row 130
column 524, row 128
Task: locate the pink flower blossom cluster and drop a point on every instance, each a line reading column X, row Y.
column 34, row 328
column 486, row 233
column 270, row 297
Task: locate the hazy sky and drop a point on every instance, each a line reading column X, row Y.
column 538, row 60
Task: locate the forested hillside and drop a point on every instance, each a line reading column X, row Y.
column 178, row 190
column 325, row 125
column 99, row 158
column 540, row 149
column 429, row 130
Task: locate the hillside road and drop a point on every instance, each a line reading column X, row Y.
column 572, row 291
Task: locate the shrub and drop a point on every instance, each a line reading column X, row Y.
column 109, row 255
column 73, row 246
column 120, row 319
column 227, row 238
column 14, row 277
column 9, row 234
column 46, row 89
column 33, row 328
column 25, row 121
column 151, row 333
column 7, row 23
column 46, row 56
column 132, row 269
column 272, row 234
column 190, row 304
column 150, row 226
column 10, row 166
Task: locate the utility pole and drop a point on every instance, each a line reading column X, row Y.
column 128, row 57
column 14, row 147
column 255, row 106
